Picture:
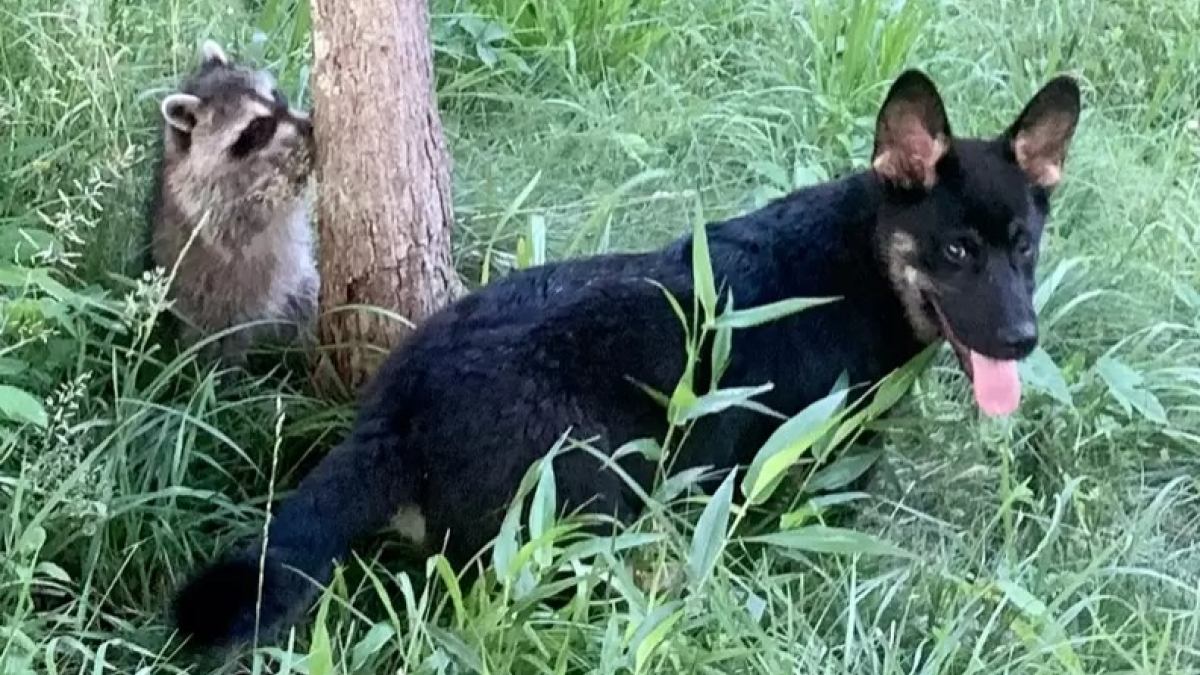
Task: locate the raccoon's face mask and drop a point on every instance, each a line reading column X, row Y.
column 231, row 119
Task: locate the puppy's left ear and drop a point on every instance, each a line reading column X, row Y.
column 1042, row 133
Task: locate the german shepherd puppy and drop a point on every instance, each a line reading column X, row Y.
column 937, row 240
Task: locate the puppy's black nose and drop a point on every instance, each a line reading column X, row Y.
column 1019, row 338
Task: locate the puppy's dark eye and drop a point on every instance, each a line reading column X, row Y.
column 955, row 252
column 1023, row 246
column 254, row 137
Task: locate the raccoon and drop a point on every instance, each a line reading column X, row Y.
column 231, row 211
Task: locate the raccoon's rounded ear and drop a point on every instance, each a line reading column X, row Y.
column 179, row 110
column 912, row 132
column 211, row 52
column 1042, row 133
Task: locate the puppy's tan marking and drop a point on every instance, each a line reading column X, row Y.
column 899, row 253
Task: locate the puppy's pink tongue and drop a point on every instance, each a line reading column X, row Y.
column 997, row 387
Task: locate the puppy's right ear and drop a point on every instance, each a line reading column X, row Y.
column 179, row 110
column 1042, row 133
column 911, row 132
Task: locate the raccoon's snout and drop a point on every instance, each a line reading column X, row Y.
column 303, row 157
column 304, row 126
column 304, row 134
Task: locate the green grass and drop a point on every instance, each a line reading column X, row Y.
column 1064, row 541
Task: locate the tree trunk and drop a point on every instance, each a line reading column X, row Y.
column 384, row 204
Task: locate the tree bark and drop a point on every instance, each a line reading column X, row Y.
column 383, row 173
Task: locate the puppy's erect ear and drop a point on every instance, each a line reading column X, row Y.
column 211, row 53
column 179, row 110
column 1043, row 131
column 911, row 132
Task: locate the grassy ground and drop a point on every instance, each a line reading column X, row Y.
column 1066, row 541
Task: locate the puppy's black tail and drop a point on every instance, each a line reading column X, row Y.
column 353, row 491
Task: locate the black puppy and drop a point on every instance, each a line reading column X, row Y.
column 939, row 239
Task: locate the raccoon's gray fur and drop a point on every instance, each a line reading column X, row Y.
column 237, row 163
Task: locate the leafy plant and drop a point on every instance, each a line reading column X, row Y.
column 588, row 38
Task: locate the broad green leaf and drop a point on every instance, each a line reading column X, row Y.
column 1051, row 633
column 682, row 399
column 22, row 242
column 506, row 545
column 756, row 606
column 370, row 645
column 676, row 307
column 711, row 532
column 44, row 278
column 1022, row 599
column 842, row 471
column 10, row 366
column 320, row 650
column 772, row 172
column 721, row 399
column 14, row 276
column 1186, row 294
column 32, row 540
column 634, row 145
column 649, row 448
column 1069, row 306
column 450, row 580
column 804, row 176
column 19, row 405
column 1040, row 372
column 533, row 550
column 821, row 539
column 887, row 392
column 597, row 545
column 1126, row 386
column 1046, row 288
column 603, row 245
column 702, row 271
column 789, row 442
column 651, row 633
column 542, row 509
column 456, row 647
column 814, row 506
column 754, row 316
column 509, row 212
column 761, row 195
column 524, row 254
column 657, row 396
column 842, row 383
column 486, row 54
column 537, row 238
column 679, row 482
column 52, row 571
column 722, row 345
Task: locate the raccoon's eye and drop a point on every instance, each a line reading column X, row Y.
column 254, row 137
column 955, row 252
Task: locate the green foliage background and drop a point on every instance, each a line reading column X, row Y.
column 1063, row 541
